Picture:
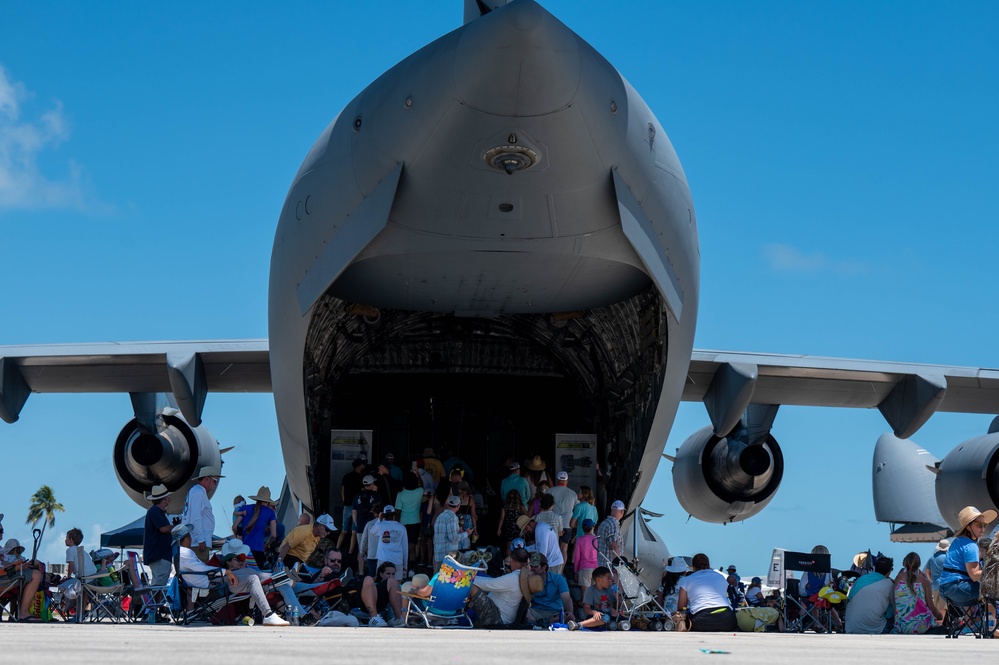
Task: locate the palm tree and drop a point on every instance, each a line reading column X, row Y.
column 43, row 509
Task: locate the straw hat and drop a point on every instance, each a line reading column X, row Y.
column 158, row 493
column 969, row 514
column 263, row 495
column 536, row 463
column 943, row 545
column 209, row 472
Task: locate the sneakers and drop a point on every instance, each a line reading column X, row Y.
column 572, row 625
column 397, row 623
column 273, row 619
column 377, row 622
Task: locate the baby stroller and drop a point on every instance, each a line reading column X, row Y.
column 637, row 606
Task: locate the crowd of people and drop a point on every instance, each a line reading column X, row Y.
column 552, row 549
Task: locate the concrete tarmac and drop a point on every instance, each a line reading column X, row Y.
column 57, row 644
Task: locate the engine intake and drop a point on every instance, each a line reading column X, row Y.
column 727, row 479
column 969, row 476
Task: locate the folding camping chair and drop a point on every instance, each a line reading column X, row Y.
column 11, row 587
column 809, row 617
column 98, row 599
column 146, row 599
column 215, row 604
column 447, row 606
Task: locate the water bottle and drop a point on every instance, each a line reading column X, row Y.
column 294, row 616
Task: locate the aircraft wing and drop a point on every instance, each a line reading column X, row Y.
column 906, row 393
column 188, row 369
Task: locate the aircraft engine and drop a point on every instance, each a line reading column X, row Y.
column 172, row 456
column 969, row 476
column 726, row 479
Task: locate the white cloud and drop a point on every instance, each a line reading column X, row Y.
column 22, row 141
column 785, row 258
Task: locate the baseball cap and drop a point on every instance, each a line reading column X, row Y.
column 454, row 500
column 326, row 521
column 359, row 462
column 388, row 509
column 588, row 523
column 368, row 480
column 515, row 466
column 538, row 559
column 561, row 475
column 617, row 505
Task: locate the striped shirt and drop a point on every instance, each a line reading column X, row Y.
column 445, row 534
column 608, row 533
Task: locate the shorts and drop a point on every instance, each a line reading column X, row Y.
column 347, row 518
column 584, row 577
column 714, row 620
column 567, row 535
column 413, row 532
column 383, row 596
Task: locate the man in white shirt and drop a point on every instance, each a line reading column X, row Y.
column 503, row 591
column 198, row 510
column 195, row 574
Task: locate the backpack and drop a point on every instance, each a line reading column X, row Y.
column 990, row 572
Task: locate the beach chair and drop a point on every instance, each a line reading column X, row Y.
column 447, row 606
column 98, row 600
column 11, row 587
column 808, row 616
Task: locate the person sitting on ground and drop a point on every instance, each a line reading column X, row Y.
column 600, row 602
column 31, row 573
column 669, row 590
column 379, row 594
column 872, row 601
column 553, row 600
column 962, row 570
column 754, row 593
column 704, row 596
column 301, row 541
column 914, row 611
column 195, row 574
column 735, row 596
column 496, row 601
column 584, row 557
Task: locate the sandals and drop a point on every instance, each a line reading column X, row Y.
column 31, row 618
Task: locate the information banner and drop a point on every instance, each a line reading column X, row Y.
column 576, row 454
column 346, row 445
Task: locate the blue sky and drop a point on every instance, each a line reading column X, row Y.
column 842, row 158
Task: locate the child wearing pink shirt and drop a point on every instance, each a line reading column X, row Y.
column 584, row 556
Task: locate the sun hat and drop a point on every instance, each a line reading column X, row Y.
column 454, row 501
column 536, row 463
column 678, row 565
column 234, row 547
column 326, row 521
column 158, row 493
column 103, row 553
column 523, row 521
column 428, row 452
column 561, row 476
column 13, row 548
column 368, row 480
column 969, row 514
column 180, row 531
column 263, row 495
column 731, row 568
column 943, row 545
column 617, row 505
column 209, row 472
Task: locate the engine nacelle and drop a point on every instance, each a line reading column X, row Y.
column 726, row 479
column 969, row 476
column 172, row 456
